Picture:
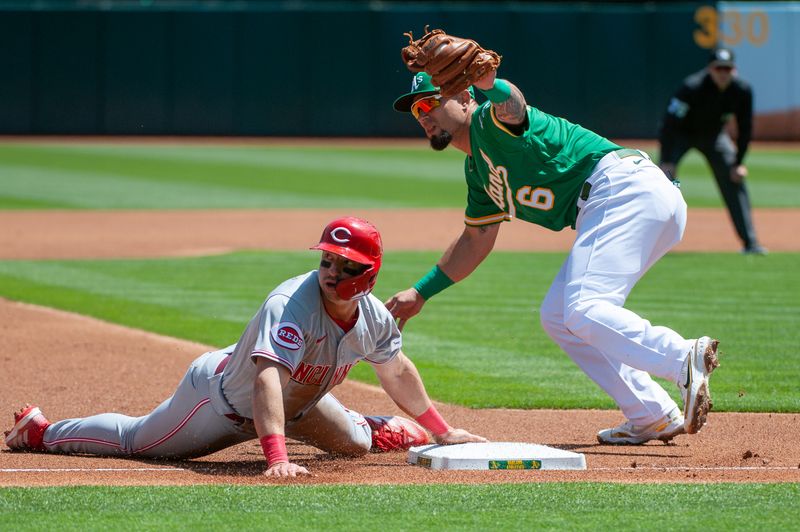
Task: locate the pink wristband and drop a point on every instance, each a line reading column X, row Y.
column 432, row 420
column 274, row 447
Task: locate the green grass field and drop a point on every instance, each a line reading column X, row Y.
column 751, row 303
column 568, row 506
column 102, row 176
column 455, row 340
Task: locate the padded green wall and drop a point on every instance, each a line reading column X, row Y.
column 322, row 68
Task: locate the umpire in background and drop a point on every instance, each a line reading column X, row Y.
column 697, row 117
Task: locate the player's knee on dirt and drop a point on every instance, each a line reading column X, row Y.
column 353, row 448
column 352, row 440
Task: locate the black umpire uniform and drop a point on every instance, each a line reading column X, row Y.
column 696, row 118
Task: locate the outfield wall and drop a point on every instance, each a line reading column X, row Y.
column 322, row 68
column 766, row 39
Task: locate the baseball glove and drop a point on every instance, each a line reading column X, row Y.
column 452, row 62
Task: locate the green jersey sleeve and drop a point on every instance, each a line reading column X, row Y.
column 481, row 210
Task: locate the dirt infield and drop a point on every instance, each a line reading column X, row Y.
column 75, row 366
column 122, row 234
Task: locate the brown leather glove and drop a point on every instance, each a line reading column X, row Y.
column 452, row 62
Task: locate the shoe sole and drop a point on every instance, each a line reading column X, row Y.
column 699, row 404
column 20, row 425
column 636, row 441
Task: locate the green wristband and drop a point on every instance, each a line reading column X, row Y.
column 500, row 91
column 434, row 282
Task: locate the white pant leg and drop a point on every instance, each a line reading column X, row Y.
column 640, row 398
column 632, row 217
column 331, row 427
column 183, row 426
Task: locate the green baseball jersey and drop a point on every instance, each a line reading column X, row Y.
column 536, row 176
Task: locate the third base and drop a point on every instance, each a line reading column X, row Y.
column 495, row 455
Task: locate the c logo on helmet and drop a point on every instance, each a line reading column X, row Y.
column 335, row 234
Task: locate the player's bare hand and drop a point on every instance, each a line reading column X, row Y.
column 487, row 81
column 405, row 305
column 285, row 470
column 454, row 436
column 738, row 173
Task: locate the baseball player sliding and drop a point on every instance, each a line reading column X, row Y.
column 524, row 163
column 276, row 381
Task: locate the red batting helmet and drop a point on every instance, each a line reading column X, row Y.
column 359, row 241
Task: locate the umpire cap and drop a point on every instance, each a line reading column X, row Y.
column 721, row 57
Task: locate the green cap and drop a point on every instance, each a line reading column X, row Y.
column 420, row 85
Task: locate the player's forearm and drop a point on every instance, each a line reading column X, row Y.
column 508, row 102
column 268, row 415
column 460, row 259
column 401, row 381
column 467, row 252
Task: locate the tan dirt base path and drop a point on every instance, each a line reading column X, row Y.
column 122, row 234
column 75, row 366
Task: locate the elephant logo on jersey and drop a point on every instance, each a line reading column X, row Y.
column 341, row 235
column 287, row 335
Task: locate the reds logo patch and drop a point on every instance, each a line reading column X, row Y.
column 288, row 335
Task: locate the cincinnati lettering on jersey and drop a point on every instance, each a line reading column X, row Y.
column 314, row 375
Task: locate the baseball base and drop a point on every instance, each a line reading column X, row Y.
column 494, row 456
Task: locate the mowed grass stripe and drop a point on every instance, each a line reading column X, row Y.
column 550, row 506
column 80, row 189
column 95, row 176
column 216, row 177
column 484, row 331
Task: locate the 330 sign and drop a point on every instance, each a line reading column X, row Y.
column 730, row 27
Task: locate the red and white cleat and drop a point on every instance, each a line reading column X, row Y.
column 28, row 431
column 395, row 433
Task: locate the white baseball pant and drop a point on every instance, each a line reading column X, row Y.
column 193, row 423
column 633, row 215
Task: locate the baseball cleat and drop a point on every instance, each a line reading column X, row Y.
column 28, row 431
column 702, row 360
column 395, row 433
column 664, row 429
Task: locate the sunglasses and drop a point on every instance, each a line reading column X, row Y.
column 426, row 104
column 723, row 68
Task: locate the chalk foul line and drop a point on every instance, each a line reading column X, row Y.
column 83, row 469
column 178, row 469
